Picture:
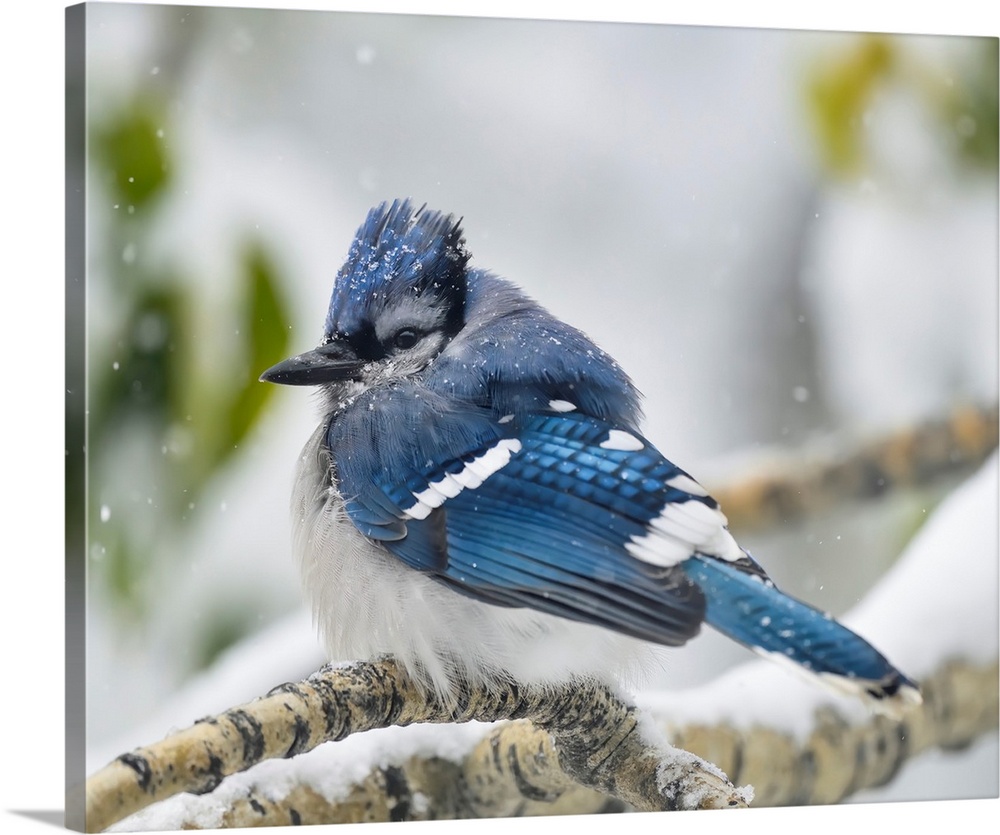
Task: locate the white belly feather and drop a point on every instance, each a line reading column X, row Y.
column 366, row 603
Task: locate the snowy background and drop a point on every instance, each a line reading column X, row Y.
column 663, row 188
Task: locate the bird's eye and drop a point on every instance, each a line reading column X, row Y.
column 405, row 338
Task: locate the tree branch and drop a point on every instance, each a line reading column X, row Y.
column 596, row 740
column 839, row 757
column 515, row 769
column 815, row 478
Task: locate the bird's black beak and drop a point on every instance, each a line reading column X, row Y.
column 331, row 363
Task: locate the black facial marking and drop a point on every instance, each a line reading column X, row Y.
column 365, row 343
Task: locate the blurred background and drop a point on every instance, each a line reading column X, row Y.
column 780, row 235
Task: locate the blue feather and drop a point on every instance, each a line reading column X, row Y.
column 750, row 609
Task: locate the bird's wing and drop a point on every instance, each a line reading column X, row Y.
column 562, row 512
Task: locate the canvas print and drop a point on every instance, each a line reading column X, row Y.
column 475, row 418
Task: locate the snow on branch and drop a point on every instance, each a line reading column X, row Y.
column 811, row 479
column 839, row 757
column 597, row 741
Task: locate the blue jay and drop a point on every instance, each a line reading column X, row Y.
column 479, row 502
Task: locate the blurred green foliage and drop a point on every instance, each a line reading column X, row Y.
column 266, row 331
column 972, row 107
column 170, row 400
column 130, row 150
column 838, row 95
column 841, row 89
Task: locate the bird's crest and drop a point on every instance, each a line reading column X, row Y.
column 400, row 252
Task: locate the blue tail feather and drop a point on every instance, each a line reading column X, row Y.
column 749, row 608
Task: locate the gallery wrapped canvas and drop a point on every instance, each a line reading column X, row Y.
column 488, row 417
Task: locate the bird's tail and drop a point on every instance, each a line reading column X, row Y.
column 750, row 609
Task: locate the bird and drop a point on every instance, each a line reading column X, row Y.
column 478, row 500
